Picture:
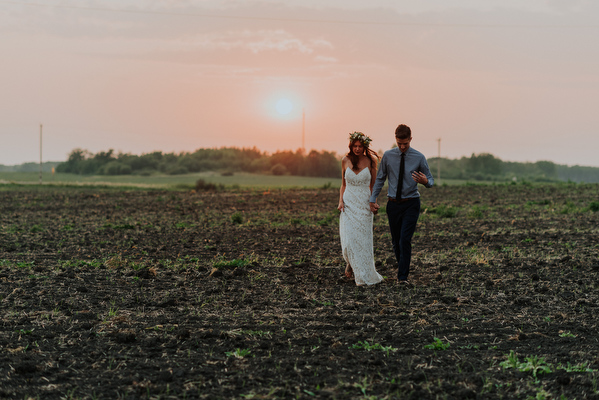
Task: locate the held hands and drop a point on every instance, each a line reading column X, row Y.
column 419, row 177
column 374, row 208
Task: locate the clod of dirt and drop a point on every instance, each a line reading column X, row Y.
column 165, row 376
column 183, row 334
column 542, row 289
column 26, row 367
column 146, row 273
column 168, row 303
column 85, row 315
column 563, row 380
column 466, row 394
column 522, row 301
column 86, row 326
column 125, row 337
column 419, row 376
column 449, row 299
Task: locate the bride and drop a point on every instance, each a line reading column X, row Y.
column 355, row 222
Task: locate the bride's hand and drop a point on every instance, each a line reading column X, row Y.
column 341, row 206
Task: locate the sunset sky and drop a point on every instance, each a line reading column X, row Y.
column 517, row 79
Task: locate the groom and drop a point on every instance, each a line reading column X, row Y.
column 405, row 168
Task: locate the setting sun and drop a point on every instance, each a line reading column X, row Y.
column 284, row 106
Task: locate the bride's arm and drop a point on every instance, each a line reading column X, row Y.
column 341, row 206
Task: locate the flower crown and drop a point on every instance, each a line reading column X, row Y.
column 361, row 137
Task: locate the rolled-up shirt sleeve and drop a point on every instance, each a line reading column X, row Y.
column 427, row 171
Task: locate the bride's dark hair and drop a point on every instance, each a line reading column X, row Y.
column 371, row 154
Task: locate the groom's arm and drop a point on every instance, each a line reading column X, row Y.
column 427, row 172
column 381, row 176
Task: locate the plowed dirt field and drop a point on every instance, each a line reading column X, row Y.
column 111, row 294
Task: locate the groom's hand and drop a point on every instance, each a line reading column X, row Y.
column 419, row 177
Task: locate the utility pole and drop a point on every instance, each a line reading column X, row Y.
column 40, row 154
column 304, row 130
column 439, row 162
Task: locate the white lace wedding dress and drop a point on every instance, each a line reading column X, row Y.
column 355, row 227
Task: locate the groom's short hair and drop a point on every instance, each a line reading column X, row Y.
column 403, row 132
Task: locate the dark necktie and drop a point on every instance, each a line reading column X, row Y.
column 402, row 168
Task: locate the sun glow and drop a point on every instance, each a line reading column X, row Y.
column 284, row 106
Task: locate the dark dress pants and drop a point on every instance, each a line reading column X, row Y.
column 403, row 217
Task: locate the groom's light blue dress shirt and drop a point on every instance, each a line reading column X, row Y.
column 389, row 169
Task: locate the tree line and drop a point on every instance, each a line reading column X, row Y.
column 487, row 167
column 227, row 160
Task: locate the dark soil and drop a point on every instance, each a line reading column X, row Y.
column 108, row 294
